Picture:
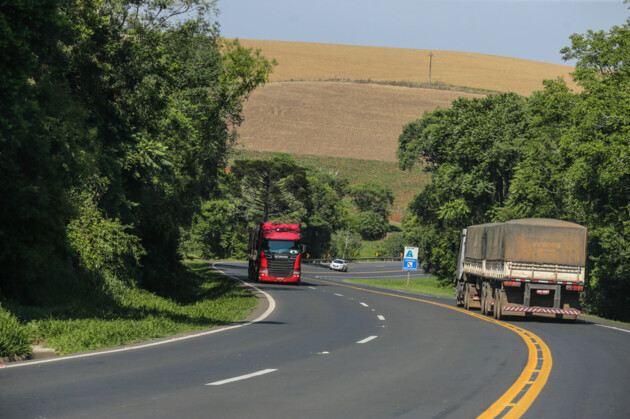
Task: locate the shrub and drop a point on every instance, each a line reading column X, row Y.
column 371, row 225
column 103, row 245
column 15, row 340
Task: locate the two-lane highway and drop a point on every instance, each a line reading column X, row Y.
column 330, row 350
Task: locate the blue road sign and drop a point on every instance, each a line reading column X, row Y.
column 410, row 264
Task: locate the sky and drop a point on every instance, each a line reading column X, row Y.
column 529, row 29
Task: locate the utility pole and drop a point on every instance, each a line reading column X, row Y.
column 430, row 62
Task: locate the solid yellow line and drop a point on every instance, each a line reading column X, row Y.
column 519, row 408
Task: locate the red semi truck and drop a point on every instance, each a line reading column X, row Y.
column 275, row 253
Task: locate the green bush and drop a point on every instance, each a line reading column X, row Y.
column 15, row 340
column 369, row 224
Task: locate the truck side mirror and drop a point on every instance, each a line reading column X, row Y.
column 302, row 248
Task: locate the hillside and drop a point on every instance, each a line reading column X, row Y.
column 335, row 119
column 312, row 61
column 303, row 112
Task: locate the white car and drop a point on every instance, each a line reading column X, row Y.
column 339, row 265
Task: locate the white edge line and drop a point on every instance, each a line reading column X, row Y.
column 270, row 309
column 614, row 328
column 242, row 377
column 366, row 340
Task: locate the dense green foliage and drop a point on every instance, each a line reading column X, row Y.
column 405, row 183
column 471, row 151
column 372, row 200
column 280, row 190
column 345, row 244
column 557, row 154
column 116, row 122
column 15, row 339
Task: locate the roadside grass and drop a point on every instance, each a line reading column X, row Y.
column 126, row 315
column 405, row 185
column 429, row 285
column 603, row 319
column 370, row 248
column 14, row 337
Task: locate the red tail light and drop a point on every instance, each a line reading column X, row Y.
column 575, row 287
column 512, row 284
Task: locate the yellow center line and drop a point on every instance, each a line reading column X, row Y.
column 518, row 408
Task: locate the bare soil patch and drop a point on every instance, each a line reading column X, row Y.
column 339, row 119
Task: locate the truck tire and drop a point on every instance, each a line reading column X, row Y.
column 497, row 304
column 458, row 301
column 484, row 292
column 466, row 297
column 489, row 299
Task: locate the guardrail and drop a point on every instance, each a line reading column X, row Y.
column 328, row 260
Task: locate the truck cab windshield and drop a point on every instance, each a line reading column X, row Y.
column 281, row 246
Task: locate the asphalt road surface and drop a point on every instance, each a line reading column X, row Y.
column 325, row 349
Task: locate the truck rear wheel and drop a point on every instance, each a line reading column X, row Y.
column 484, row 297
column 489, row 299
column 467, row 297
column 498, row 303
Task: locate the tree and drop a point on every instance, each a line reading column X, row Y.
column 369, row 224
column 345, row 243
column 33, row 163
column 372, row 200
column 577, row 163
column 270, row 190
column 120, row 102
column 595, row 150
column 372, row 196
column 471, row 151
column 326, row 212
column 217, row 232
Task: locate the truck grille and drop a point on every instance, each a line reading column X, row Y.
column 280, row 268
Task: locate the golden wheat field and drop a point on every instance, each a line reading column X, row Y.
column 312, row 61
column 301, row 111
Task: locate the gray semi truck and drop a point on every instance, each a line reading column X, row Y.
column 522, row 267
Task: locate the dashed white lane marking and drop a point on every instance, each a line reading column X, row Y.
column 242, row 377
column 366, row 340
column 364, row 305
column 339, row 295
column 380, row 317
column 313, row 288
column 614, row 328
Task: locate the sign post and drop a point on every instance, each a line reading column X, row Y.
column 410, row 260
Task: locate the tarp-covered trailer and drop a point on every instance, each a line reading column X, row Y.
column 523, row 267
